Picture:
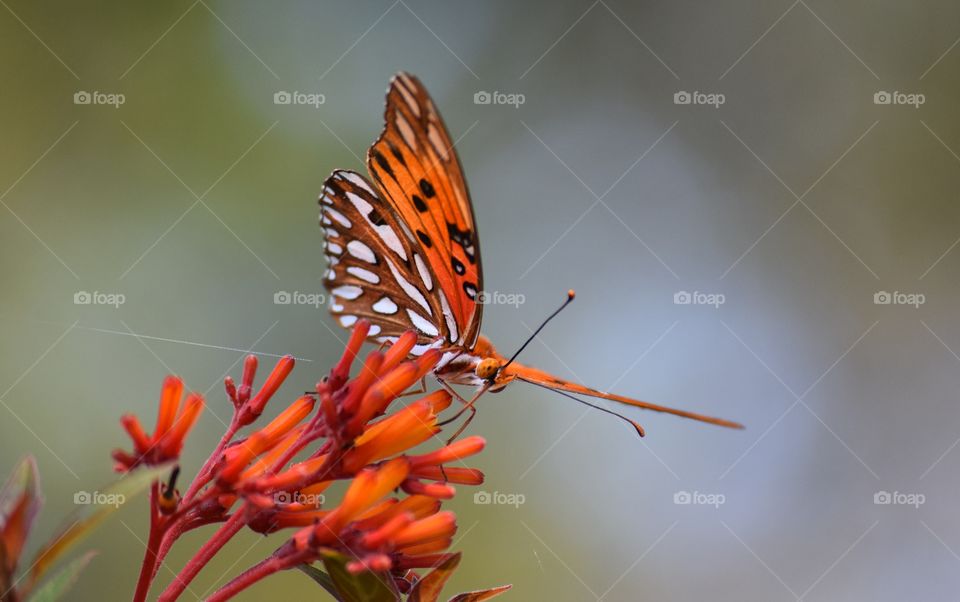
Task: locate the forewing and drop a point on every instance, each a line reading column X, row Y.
column 417, row 169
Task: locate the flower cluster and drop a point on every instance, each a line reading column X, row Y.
column 389, row 519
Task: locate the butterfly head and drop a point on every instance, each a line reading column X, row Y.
column 487, row 368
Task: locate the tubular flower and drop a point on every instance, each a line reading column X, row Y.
column 389, row 518
column 174, row 422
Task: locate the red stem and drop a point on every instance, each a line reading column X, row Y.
column 204, row 554
column 261, row 570
column 170, row 535
column 204, row 474
column 150, row 557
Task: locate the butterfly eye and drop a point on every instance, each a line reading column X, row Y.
column 487, row 368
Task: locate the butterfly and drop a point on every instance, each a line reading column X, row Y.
column 403, row 253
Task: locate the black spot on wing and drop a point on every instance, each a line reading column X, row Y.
column 419, row 204
column 376, row 218
column 424, row 239
column 397, row 154
column 471, row 290
column 458, row 266
column 427, row 189
column 383, row 163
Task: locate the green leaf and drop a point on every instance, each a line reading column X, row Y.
column 57, row 585
column 325, row 581
column 429, row 587
column 88, row 516
column 363, row 587
column 479, row 595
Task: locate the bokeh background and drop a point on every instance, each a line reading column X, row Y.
column 795, row 202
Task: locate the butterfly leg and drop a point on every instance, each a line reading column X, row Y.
column 467, row 406
column 453, row 393
column 466, row 423
column 419, row 390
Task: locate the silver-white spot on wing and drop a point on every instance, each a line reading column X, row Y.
column 424, row 272
column 364, row 274
column 423, row 325
column 361, row 251
column 356, row 179
column 348, row 292
column 347, row 321
column 359, row 203
column 421, row 349
column 385, row 306
column 339, row 217
column 388, row 236
column 334, row 248
column 448, row 317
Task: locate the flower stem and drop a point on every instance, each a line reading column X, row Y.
column 261, row 570
column 204, row 554
column 150, row 557
column 204, row 474
column 171, row 533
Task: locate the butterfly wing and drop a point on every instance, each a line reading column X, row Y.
column 545, row 379
column 418, row 172
column 375, row 270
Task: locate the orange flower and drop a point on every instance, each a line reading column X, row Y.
column 174, row 422
column 237, row 458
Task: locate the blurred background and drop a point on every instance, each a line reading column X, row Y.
column 755, row 201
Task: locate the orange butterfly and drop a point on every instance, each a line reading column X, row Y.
column 403, row 253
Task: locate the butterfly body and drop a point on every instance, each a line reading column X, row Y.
column 403, row 252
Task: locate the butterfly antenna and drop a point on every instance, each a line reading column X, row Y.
column 570, row 296
column 633, row 423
